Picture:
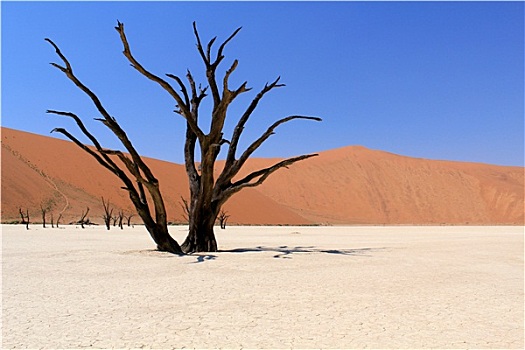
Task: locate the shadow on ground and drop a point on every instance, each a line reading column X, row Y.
column 280, row 252
column 286, row 252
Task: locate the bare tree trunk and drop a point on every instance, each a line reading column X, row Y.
column 58, row 220
column 120, row 219
column 223, row 217
column 83, row 219
column 52, row 221
column 107, row 213
column 43, row 210
column 25, row 219
column 128, row 218
column 185, row 210
column 201, row 237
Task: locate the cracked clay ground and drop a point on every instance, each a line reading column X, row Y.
column 269, row 287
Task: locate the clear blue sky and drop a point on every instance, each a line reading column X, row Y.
column 438, row 80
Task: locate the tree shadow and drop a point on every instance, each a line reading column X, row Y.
column 286, row 252
column 205, row 257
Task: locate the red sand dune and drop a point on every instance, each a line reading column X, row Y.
column 351, row 185
column 355, row 185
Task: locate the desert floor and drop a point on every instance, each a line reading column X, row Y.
column 269, row 287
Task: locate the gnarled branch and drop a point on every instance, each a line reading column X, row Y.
column 260, row 176
column 185, row 109
column 235, row 166
column 242, row 121
column 108, row 120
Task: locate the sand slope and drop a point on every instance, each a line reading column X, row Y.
column 32, row 165
column 343, row 186
column 359, row 185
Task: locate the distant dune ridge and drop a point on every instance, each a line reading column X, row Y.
column 351, row 185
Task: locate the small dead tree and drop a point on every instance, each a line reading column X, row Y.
column 128, row 218
column 107, row 213
column 120, row 219
column 223, row 217
column 52, row 221
column 43, row 211
column 25, row 217
column 207, row 193
column 59, row 217
column 83, row 221
column 185, row 209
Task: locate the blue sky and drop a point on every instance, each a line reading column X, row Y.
column 438, row 80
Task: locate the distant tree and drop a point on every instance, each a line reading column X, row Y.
column 25, row 217
column 120, row 219
column 107, row 213
column 223, row 218
column 185, row 209
column 207, row 193
column 59, row 217
column 83, row 221
column 128, row 218
column 43, row 210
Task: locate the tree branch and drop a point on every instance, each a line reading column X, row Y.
column 261, row 175
column 107, row 120
column 242, row 121
column 211, row 67
column 185, row 112
column 97, row 157
column 221, row 48
column 235, row 166
column 134, row 170
column 182, row 88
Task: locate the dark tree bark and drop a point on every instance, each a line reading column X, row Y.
column 58, row 220
column 223, row 218
column 107, row 213
column 207, row 193
column 120, row 219
column 128, row 219
column 152, row 214
column 185, row 209
column 25, row 218
column 83, row 221
column 43, row 211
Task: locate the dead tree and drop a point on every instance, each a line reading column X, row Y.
column 128, row 218
column 83, row 221
column 207, row 193
column 152, row 214
column 185, row 209
column 223, row 217
column 107, row 213
column 43, row 210
column 52, row 221
column 120, row 219
column 59, row 217
column 25, row 217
